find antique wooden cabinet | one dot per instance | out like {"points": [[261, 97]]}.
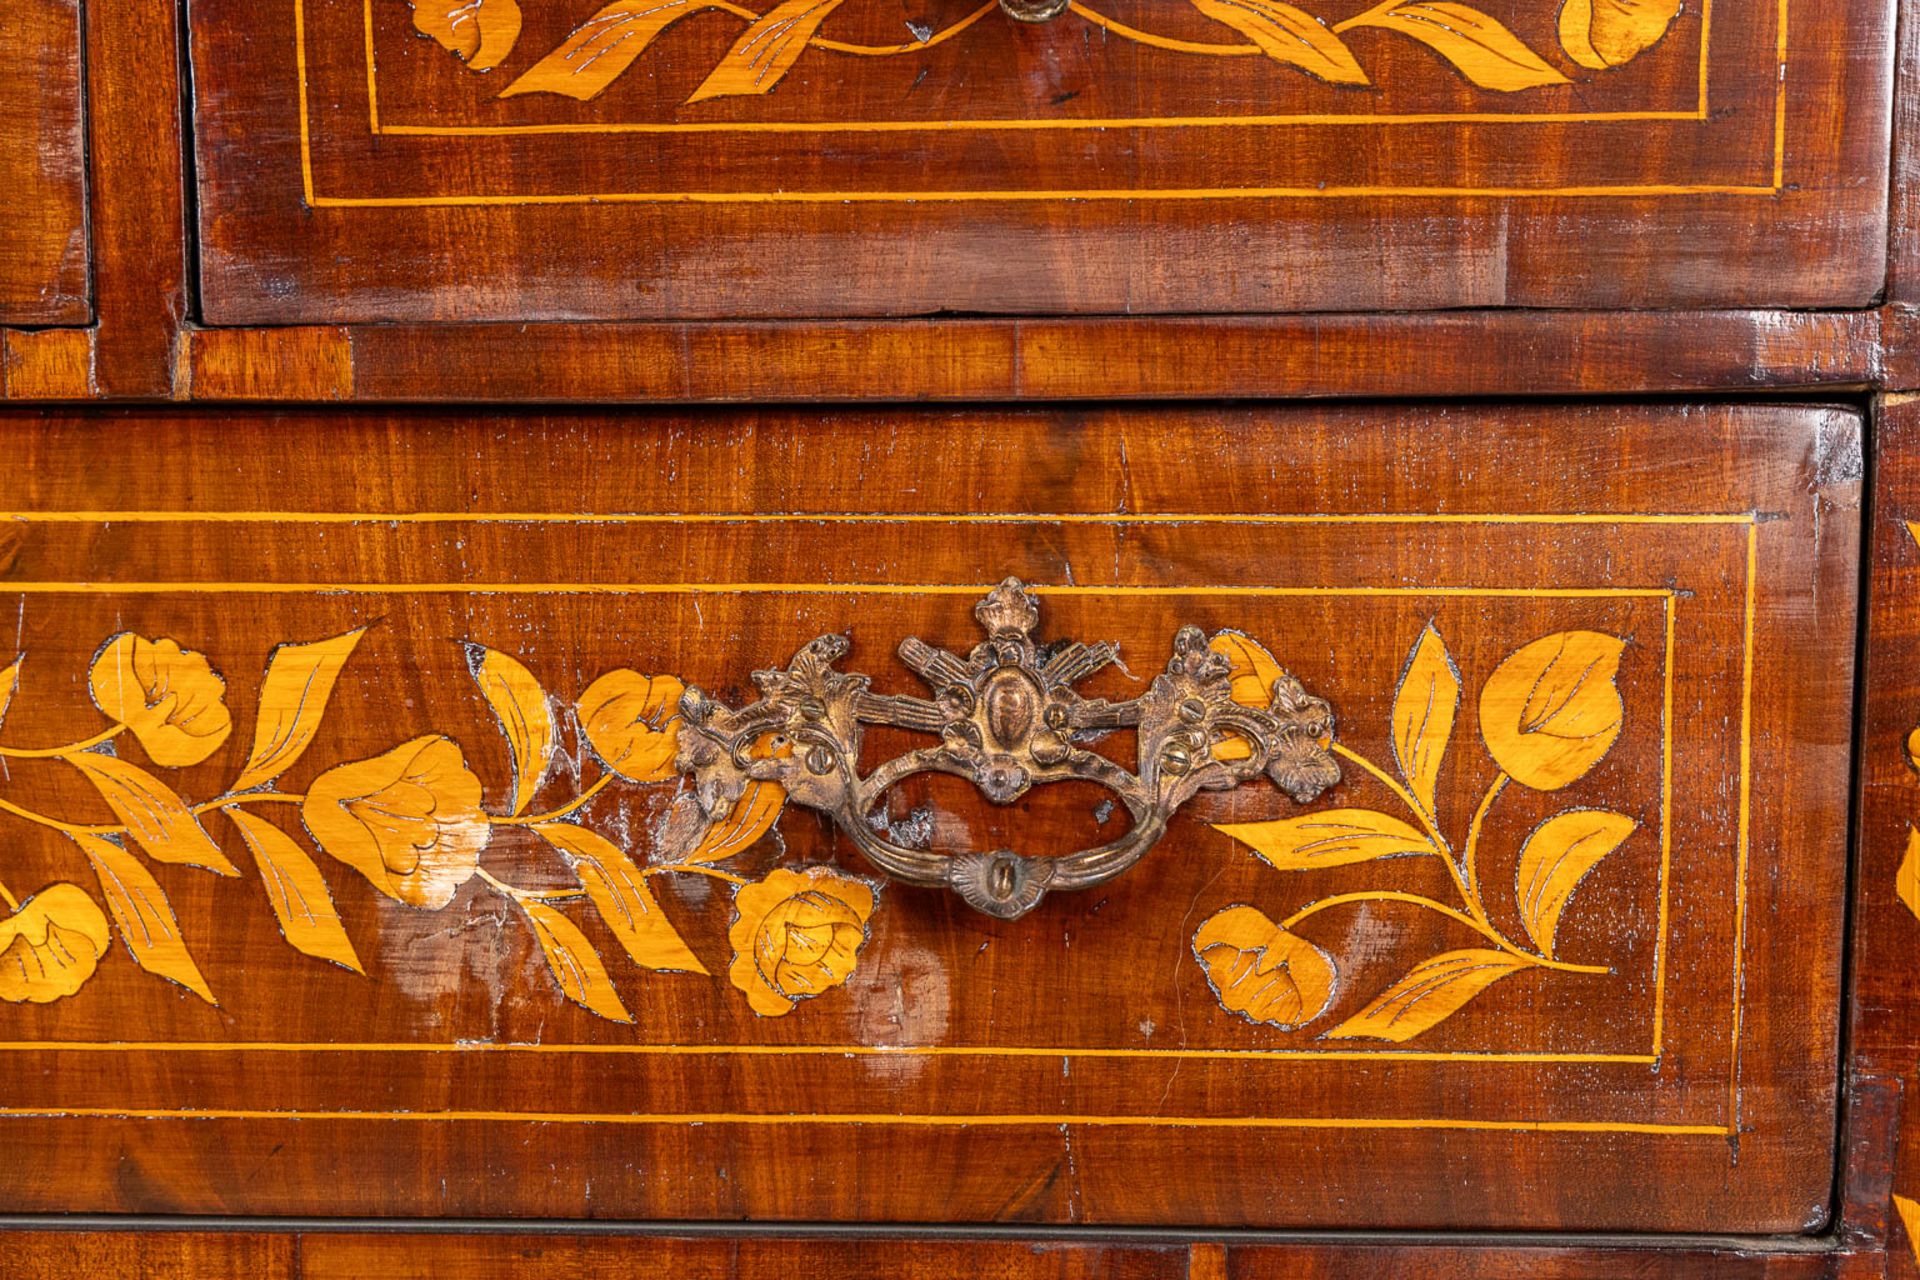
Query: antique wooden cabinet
{"points": [[1208, 638]]}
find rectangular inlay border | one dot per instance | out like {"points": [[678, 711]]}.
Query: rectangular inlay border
{"points": [[1770, 184], [1669, 596]]}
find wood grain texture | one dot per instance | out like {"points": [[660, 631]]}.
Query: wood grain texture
{"points": [[1486, 353], [429, 201], [43, 237], [1569, 1262], [1884, 1013], [149, 1255], [1009, 1071], [47, 364], [137, 162], [1903, 265], [491, 1255]]}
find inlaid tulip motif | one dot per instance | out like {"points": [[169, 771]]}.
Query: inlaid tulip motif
{"points": [[414, 821], [419, 824]]}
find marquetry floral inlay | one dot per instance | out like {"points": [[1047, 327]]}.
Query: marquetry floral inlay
{"points": [[1594, 35], [1548, 715], [416, 822]]}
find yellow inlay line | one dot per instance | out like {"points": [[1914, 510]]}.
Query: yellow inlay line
{"points": [[1702, 113], [1666, 837], [1699, 112], [914, 1121], [849, 517], [1292, 1056], [373, 90], [306, 131], [1668, 595], [1746, 812], [1004, 126], [799, 588], [1780, 107], [1062, 194]]}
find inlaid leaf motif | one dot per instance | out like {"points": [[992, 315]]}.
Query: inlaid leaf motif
{"points": [[751, 817], [575, 964], [520, 704], [1434, 991], [1906, 881], [767, 50], [1288, 35], [1555, 859], [620, 894], [599, 49], [1261, 971], [1481, 49], [481, 33], [170, 698], [293, 698], [1611, 33], [1333, 838], [9, 681], [51, 945], [633, 723], [295, 889], [1552, 711], [1423, 712], [1909, 1211], [143, 915], [157, 819], [1252, 669], [1913, 749]]}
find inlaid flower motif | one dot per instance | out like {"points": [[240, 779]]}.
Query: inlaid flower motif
{"points": [[1601, 34], [1261, 971], [169, 697], [796, 934], [409, 821], [51, 945], [633, 722]]}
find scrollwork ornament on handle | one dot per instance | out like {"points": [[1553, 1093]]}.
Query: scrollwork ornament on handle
{"points": [[1007, 718]]}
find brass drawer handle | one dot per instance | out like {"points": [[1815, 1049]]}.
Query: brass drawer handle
{"points": [[1034, 10], [1008, 720]]}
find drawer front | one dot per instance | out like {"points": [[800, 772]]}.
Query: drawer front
{"points": [[506, 160], [43, 237], [1199, 817]]}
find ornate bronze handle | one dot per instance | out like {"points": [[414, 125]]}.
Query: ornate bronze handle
{"points": [[1008, 719], [1033, 10]]}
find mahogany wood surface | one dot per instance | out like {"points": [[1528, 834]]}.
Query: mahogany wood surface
{"points": [[1804, 290], [402, 1255], [1483, 353], [43, 235], [351, 168], [1884, 1073], [137, 167], [1711, 754]]}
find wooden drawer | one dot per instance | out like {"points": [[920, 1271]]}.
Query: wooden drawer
{"points": [[43, 237], [1487, 772], [450, 160]]}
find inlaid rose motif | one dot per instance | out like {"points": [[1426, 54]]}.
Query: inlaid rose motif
{"points": [[169, 697], [796, 934], [51, 945], [409, 821]]}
